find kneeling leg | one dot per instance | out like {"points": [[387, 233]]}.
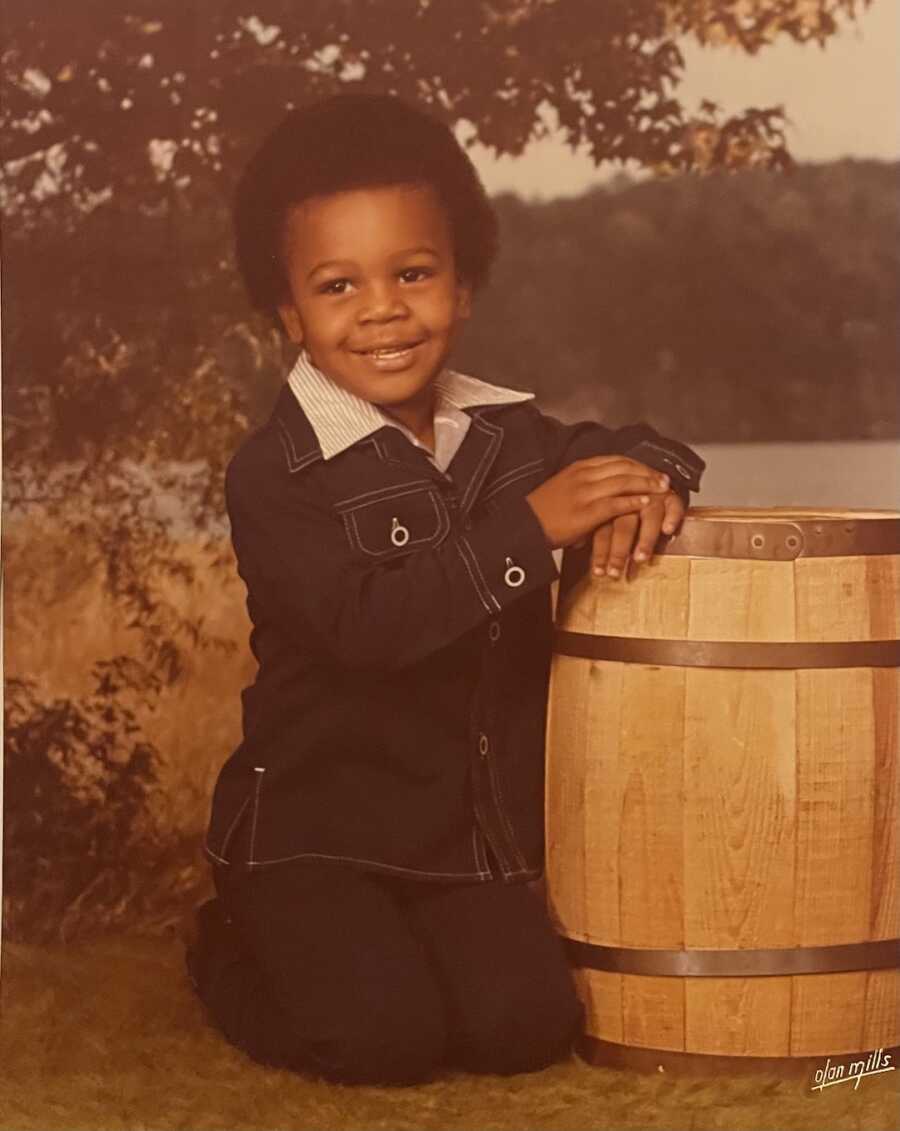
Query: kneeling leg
{"points": [[509, 996], [318, 971]]}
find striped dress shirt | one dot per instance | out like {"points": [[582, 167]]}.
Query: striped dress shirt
{"points": [[339, 418]]}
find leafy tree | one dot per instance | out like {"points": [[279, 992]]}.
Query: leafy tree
{"points": [[130, 98]]}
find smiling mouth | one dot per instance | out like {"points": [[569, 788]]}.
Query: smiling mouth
{"points": [[390, 352], [394, 358]]}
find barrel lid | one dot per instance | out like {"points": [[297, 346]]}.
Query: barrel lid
{"points": [[783, 533]]}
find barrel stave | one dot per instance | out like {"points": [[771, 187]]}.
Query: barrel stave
{"points": [[650, 807], [886, 813], [828, 1014], [740, 814], [738, 1016], [567, 845], [736, 601], [653, 1012], [835, 800], [881, 1022]]}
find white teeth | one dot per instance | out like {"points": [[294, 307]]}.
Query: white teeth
{"points": [[395, 352]]}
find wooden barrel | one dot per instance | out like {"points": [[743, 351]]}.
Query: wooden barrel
{"points": [[723, 792]]}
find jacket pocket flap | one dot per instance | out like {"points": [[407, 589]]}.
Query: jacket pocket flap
{"points": [[396, 523]]}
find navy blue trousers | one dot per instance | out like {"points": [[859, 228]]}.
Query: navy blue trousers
{"points": [[359, 977]]}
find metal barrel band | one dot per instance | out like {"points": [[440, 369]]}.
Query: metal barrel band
{"points": [[727, 654], [882, 954], [783, 538], [610, 1054]]}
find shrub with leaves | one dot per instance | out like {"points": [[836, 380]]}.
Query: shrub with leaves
{"points": [[83, 847]]}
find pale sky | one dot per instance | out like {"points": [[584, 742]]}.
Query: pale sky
{"points": [[841, 101]]}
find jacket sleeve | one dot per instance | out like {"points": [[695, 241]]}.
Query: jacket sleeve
{"points": [[566, 443], [303, 575]]}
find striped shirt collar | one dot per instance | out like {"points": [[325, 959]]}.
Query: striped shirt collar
{"points": [[340, 418]]}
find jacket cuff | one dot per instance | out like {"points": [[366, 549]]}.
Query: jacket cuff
{"points": [[508, 556], [683, 466]]}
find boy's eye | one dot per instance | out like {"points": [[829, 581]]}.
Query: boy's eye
{"points": [[334, 287], [415, 274]]}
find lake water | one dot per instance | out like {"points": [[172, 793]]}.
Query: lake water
{"points": [[862, 473], [829, 474], [856, 474]]}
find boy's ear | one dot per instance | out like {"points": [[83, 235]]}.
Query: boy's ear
{"points": [[290, 319], [463, 299]]}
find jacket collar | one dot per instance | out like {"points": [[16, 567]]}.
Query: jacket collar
{"points": [[339, 419]]}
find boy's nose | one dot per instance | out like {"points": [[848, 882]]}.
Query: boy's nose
{"points": [[382, 303]]}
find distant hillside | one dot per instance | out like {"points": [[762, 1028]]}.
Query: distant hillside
{"points": [[748, 307]]}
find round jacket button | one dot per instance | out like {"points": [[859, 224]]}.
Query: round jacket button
{"points": [[483, 745], [515, 575], [399, 533], [494, 631]]}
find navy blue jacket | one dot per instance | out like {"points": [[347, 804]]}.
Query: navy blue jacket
{"points": [[397, 718]]}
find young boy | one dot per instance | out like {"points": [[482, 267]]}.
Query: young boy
{"points": [[394, 523]]}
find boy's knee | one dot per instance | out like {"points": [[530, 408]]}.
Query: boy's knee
{"points": [[396, 1051], [400, 1049], [526, 1032]]}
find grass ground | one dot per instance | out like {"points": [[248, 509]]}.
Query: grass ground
{"points": [[107, 1036]]}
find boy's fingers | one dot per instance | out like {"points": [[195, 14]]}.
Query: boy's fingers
{"points": [[651, 519], [605, 467], [603, 510], [600, 548], [624, 469], [606, 487], [613, 465], [624, 529], [675, 510]]}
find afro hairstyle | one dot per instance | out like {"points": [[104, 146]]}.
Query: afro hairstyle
{"points": [[353, 141]]}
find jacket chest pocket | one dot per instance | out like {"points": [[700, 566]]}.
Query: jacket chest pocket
{"points": [[394, 521]]}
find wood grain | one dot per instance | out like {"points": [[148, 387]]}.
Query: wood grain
{"points": [[603, 804], [601, 993], [739, 765], [650, 851], [885, 916], [827, 1014], [883, 596], [881, 1016], [567, 741], [832, 600], [653, 1012], [653, 602], [738, 1016], [741, 600], [835, 806], [739, 809], [575, 611]]}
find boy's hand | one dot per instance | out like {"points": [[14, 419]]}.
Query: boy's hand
{"points": [[590, 493], [634, 535]]}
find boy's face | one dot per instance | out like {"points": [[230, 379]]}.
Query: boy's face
{"points": [[374, 295]]}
